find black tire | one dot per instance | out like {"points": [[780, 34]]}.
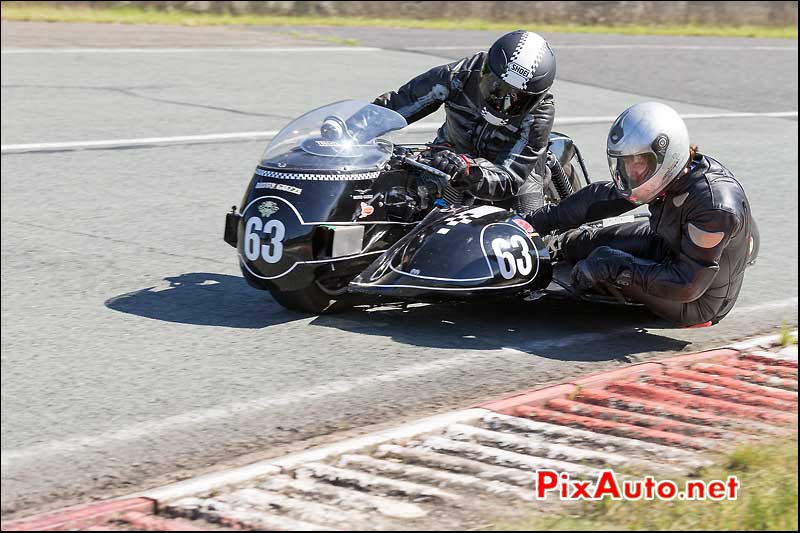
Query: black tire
{"points": [[313, 299]]}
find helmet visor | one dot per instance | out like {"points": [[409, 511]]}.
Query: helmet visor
{"points": [[632, 171], [502, 97]]}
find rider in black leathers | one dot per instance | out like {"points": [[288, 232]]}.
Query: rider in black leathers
{"points": [[687, 263], [499, 114]]}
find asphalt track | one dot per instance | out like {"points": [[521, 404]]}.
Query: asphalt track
{"points": [[132, 350]]}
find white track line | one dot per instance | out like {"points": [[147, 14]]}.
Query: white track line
{"points": [[686, 116], [622, 46], [291, 49], [202, 417], [205, 416], [142, 141], [180, 139], [423, 127], [256, 50]]}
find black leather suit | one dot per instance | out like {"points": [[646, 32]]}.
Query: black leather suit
{"points": [[511, 157], [689, 259]]}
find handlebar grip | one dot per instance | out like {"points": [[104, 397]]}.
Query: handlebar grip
{"points": [[427, 168]]}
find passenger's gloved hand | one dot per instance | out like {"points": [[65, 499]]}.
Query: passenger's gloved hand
{"points": [[539, 220], [604, 265], [458, 166], [556, 243]]}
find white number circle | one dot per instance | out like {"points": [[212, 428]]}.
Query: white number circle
{"points": [[270, 252], [508, 264]]}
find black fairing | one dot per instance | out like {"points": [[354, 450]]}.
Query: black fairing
{"points": [[311, 192], [465, 252], [303, 203]]}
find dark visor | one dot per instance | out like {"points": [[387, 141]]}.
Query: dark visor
{"points": [[502, 97]]}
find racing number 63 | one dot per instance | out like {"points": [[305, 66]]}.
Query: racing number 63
{"points": [[510, 265], [272, 252]]}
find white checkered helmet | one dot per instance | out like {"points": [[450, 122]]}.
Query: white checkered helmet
{"points": [[518, 72], [647, 148]]}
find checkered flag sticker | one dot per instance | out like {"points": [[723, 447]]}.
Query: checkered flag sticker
{"points": [[465, 217], [527, 56]]}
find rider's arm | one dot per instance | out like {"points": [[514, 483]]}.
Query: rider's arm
{"points": [[594, 202], [423, 95], [688, 275], [502, 179]]}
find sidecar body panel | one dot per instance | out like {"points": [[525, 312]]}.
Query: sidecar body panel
{"points": [[463, 252]]}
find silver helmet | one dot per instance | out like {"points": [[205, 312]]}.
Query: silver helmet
{"points": [[647, 148]]}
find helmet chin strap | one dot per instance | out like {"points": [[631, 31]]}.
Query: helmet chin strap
{"points": [[492, 119]]}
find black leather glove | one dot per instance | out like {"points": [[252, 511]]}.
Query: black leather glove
{"points": [[540, 219], [557, 242], [604, 265], [458, 166]]}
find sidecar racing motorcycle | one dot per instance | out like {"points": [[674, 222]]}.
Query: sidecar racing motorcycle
{"points": [[331, 214]]}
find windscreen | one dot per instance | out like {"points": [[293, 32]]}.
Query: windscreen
{"points": [[342, 136]]}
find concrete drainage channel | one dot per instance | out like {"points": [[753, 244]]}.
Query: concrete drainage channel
{"points": [[665, 419]]}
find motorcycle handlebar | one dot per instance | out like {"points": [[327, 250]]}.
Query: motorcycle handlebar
{"points": [[426, 168], [430, 185]]}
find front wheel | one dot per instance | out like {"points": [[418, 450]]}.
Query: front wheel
{"points": [[315, 299]]}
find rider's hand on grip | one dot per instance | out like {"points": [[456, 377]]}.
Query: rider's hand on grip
{"points": [[458, 166]]}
